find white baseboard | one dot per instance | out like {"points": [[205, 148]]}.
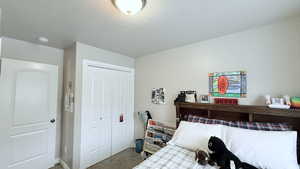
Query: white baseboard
{"points": [[64, 164]]}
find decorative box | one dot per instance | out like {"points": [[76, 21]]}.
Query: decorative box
{"points": [[226, 101], [295, 102]]}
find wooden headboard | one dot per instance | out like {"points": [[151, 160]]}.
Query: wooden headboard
{"points": [[249, 113]]}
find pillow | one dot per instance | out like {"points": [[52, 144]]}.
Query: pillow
{"points": [[242, 124], [263, 149], [194, 136]]}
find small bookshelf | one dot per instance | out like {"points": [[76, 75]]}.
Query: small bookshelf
{"points": [[157, 135]]}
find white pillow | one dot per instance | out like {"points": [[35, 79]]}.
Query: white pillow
{"points": [[193, 136], [263, 149]]}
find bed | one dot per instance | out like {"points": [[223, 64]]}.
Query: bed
{"points": [[172, 157], [176, 157]]}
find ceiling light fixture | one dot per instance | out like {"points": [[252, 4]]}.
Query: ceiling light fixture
{"points": [[129, 7], [43, 39]]}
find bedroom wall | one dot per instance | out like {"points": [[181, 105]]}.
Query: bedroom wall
{"points": [[22, 50], [84, 51], [270, 54], [68, 117], [74, 57]]}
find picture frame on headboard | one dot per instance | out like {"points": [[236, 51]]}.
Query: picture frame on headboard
{"points": [[204, 99]]}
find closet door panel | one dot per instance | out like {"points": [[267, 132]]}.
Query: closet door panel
{"points": [[118, 134], [126, 107], [90, 122], [96, 117], [129, 102], [106, 114], [122, 131]]}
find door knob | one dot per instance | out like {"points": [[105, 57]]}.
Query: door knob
{"points": [[52, 121]]}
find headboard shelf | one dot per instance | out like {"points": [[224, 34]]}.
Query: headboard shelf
{"points": [[250, 113], [251, 110]]}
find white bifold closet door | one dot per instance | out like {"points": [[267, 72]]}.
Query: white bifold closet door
{"points": [[122, 132], [107, 94]]}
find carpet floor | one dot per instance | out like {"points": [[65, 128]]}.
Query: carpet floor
{"points": [[126, 159]]}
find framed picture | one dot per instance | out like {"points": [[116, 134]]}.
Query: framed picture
{"points": [[228, 84], [190, 96], [204, 99], [279, 101], [158, 96]]}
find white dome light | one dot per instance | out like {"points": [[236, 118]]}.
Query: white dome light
{"points": [[43, 39], [129, 7]]}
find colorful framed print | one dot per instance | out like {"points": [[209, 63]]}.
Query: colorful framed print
{"points": [[228, 84]]}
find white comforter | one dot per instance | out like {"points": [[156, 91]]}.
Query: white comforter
{"points": [[172, 157]]}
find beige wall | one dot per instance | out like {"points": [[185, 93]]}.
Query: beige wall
{"points": [[74, 57], [91, 53], [68, 117], [270, 54], [21, 50]]}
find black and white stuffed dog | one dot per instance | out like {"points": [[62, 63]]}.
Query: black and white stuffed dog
{"points": [[223, 157]]}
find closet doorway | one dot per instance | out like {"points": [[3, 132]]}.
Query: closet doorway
{"points": [[107, 111]]}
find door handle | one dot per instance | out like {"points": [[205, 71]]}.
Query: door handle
{"points": [[52, 121], [101, 118]]}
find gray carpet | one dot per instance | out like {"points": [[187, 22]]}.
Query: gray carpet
{"points": [[126, 159]]}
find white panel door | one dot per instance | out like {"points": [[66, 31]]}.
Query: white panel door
{"points": [[96, 116], [123, 99], [28, 105]]}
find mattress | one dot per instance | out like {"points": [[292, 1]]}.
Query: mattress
{"points": [[172, 157]]}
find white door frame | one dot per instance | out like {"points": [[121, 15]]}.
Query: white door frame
{"points": [[78, 101]]}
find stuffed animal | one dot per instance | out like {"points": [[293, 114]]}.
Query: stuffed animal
{"points": [[223, 157], [201, 157]]}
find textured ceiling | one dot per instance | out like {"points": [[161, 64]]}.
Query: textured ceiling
{"points": [[163, 24]]}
